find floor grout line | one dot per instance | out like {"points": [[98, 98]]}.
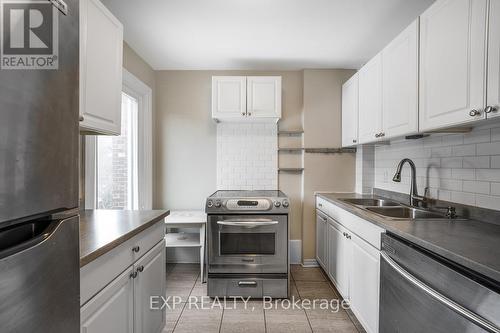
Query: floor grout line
{"points": [[184, 306]]}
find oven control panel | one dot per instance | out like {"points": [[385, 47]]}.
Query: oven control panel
{"points": [[257, 205]]}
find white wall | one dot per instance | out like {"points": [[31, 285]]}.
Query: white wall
{"points": [[462, 168]]}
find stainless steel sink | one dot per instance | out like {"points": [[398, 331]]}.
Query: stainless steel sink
{"points": [[405, 213], [371, 202]]}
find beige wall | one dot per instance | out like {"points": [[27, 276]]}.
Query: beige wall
{"points": [[322, 129], [186, 141], [186, 134]]}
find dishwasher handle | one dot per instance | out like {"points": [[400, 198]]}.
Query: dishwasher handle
{"points": [[452, 305]]}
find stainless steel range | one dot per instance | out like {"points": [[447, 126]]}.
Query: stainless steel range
{"points": [[248, 244]]}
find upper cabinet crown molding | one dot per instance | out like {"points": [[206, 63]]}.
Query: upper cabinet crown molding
{"points": [[452, 63], [242, 98], [101, 57], [350, 100]]}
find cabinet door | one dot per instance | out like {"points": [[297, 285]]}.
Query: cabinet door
{"points": [[493, 99], [339, 256], [350, 112], [101, 45], [150, 281], [364, 283], [112, 309], [264, 96], [452, 63], [400, 84], [370, 100], [229, 97], [320, 239]]}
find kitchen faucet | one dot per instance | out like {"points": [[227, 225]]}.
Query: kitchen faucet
{"points": [[414, 197]]}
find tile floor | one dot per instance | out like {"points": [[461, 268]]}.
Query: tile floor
{"points": [[183, 280]]}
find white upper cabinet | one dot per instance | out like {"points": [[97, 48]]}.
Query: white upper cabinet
{"points": [[101, 53], [400, 84], [452, 63], [242, 98], [350, 112], [370, 100], [264, 96], [493, 100], [229, 95]]}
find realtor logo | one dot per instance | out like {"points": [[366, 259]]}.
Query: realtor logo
{"points": [[29, 34]]}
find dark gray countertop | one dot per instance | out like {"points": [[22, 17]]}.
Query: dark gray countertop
{"points": [[470, 243], [103, 230]]}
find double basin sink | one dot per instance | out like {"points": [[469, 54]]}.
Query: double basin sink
{"points": [[393, 210]]}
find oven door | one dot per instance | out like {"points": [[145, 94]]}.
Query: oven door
{"points": [[247, 244]]}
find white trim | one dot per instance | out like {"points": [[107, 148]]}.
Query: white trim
{"points": [[144, 95], [310, 263], [295, 248]]}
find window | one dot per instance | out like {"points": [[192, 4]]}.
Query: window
{"points": [[118, 168]]}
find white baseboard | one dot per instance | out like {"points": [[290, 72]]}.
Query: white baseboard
{"points": [[310, 263], [295, 248]]}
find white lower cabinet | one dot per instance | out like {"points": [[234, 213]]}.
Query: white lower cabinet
{"points": [[339, 253], [123, 306], [352, 262], [149, 282], [364, 282], [112, 310], [321, 239]]}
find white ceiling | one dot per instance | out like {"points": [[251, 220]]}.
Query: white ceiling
{"points": [[262, 34]]}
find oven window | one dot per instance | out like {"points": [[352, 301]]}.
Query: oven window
{"points": [[247, 243]]}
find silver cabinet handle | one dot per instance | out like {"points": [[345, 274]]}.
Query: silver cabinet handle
{"points": [[140, 268], [247, 283], [136, 249], [490, 109], [474, 113], [377, 135], [243, 113], [382, 134], [480, 321], [320, 205], [249, 113], [81, 118], [133, 275], [354, 140]]}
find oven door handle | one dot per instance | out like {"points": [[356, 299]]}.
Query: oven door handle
{"points": [[248, 223], [480, 321]]}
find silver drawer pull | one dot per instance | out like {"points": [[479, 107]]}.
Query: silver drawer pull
{"points": [[482, 322], [247, 284], [247, 224], [248, 260]]}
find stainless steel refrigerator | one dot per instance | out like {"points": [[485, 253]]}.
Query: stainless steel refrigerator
{"points": [[39, 243]]}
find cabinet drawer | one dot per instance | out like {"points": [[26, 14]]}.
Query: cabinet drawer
{"points": [[322, 205], [253, 287], [98, 273]]}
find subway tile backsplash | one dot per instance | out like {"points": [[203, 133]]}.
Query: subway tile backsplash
{"points": [[462, 168], [247, 156]]}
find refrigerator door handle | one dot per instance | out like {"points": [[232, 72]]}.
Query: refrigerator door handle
{"points": [[45, 234], [485, 324]]}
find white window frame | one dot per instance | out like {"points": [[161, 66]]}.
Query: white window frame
{"points": [[136, 88]]}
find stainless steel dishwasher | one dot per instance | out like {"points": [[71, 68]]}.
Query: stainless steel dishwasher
{"points": [[422, 292]]}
